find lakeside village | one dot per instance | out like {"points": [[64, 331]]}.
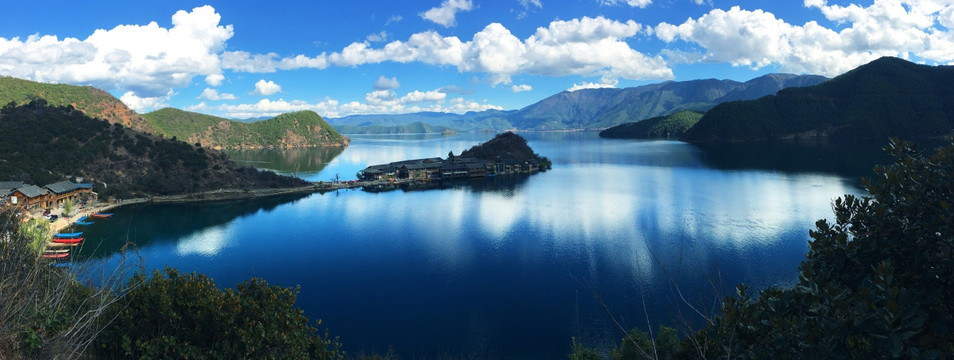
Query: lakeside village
{"points": [[64, 203]]}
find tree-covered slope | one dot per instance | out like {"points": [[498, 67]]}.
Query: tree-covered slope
{"points": [[92, 101], [43, 144], [887, 97], [669, 126], [291, 130]]}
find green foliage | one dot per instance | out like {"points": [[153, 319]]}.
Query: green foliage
{"points": [[297, 129], [876, 283], [171, 315], [579, 352], [669, 126], [36, 232], [887, 97], [93, 102], [44, 144]]}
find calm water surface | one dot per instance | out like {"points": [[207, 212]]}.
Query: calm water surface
{"points": [[512, 267]]}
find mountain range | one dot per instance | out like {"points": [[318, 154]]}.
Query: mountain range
{"points": [[886, 97], [592, 109]]}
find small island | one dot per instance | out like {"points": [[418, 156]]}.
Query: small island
{"points": [[507, 153]]}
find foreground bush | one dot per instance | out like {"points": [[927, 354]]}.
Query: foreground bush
{"points": [[878, 283], [174, 316]]}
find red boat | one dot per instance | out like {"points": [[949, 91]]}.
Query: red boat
{"points": [[56, 256], [68, 240], [101, 215]]}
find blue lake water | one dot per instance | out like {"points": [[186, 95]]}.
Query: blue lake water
{"points": [[625, 232]]}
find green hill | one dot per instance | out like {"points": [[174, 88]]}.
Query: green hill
{"points": [[91, 101], [42, 144], [669, 126], [887, 97], [291, 130]]}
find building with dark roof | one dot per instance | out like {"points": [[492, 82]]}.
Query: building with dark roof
{"points": [[30, 196], [67, 191]]}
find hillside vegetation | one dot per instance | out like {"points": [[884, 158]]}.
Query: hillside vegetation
{"points": [[291, 130], [671, 126], [93, 102], [42, 144], [887, 97]]}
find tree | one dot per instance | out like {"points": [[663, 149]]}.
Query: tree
{"points": [[173, 315]]}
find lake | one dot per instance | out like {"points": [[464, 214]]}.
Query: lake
{"points": [[619, 234]]}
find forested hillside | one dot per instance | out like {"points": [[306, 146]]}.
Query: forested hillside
{"points": [[94, 102], [291, 130], [42, 144], [412, 128], [671, 126], [887, 97]]}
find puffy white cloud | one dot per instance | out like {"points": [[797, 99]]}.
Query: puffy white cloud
{"points": [[632, 3], [383, 83], [266, 88], [425, 96], [446, 14], [214, 79], [757, 38], [521, 88], [145, 104], [146, 60], [592, 85], [587, 47], [212, 94], [266, 107]]}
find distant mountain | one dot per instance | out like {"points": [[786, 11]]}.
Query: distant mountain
{"points": [[120, 162], [603, 108], [412, 128], [291, 130], [598, 108], [91, 101], [886, 97], [490, 120], [671, 126]]}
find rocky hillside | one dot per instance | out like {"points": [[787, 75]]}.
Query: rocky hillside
{"points": [[93, 102], [291, 130], [42, 144], [887, 97]]}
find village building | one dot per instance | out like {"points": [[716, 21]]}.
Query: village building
{"points": [[30, 197], [64, 191]]}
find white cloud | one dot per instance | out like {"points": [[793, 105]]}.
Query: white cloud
{"points": [[146, 60], [587, 47], [592, 85], [393, 19], [633, 3], [757, 38], [445, 15], [214, 79], [266, 88], [383, 83], [521, 88], [212, 94], [526, 3], [266, 107], [145, 104], [378, 37], [425, 96]]}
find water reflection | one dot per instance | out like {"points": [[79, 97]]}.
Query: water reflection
{"points": [[297, 162], [509, 268]]}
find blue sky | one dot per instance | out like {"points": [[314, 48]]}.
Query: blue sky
{"points": [[244, 59]]}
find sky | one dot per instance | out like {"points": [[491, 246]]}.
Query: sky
{"points": [[245, 59]]}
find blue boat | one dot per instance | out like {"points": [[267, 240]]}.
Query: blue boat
{"points": [[83, 223], [68, 235], [81, 219]]}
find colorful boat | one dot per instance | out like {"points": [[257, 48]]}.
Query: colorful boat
{"points": [[68, 235], [83, 223], [56, 251], [56, 256], [68, 240], [102, 215], [82, 218]]}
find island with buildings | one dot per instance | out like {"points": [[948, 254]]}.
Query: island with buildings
{"points": [[507, 153]]}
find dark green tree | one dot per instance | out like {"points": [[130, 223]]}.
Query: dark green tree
{"points": [[172, 315]]}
